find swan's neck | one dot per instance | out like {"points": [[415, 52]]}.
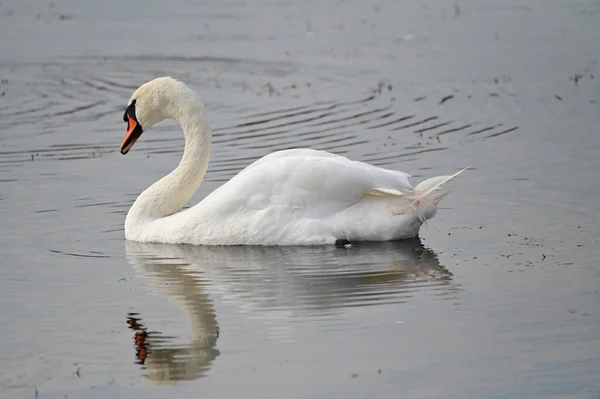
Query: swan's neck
{"points": [[168, 195]]}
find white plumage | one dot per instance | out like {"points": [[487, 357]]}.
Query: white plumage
{"points": [[291, 197]]}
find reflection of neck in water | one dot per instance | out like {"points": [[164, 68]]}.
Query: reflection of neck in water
{"points": [[164, 361], [280, 281]]}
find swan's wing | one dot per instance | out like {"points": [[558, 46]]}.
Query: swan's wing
{"points": [[307, 179], [294, 152]]}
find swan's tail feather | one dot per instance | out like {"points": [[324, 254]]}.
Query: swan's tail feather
{"points": [[430, 185], [429, 192]]}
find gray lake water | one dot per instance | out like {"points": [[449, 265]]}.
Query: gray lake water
{"points": [[499, 298]]}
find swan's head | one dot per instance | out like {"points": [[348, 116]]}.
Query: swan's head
{"points": [[158, 99]]}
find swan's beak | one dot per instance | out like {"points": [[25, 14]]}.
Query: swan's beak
{"points": [[134, 131]]}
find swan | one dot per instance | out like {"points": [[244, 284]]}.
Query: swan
{"points": [[290, 197]]}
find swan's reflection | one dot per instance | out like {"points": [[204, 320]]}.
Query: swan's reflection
{"points": [[165, 361], [281, 281]]}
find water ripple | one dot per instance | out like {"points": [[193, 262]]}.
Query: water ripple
{"points": [[52, 101]]}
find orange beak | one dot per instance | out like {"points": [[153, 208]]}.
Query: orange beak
{"points": [[134, 131]]}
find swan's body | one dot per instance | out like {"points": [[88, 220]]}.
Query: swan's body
{"points": [[291, 197]]}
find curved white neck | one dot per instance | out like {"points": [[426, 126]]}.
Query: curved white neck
{"points": [[168, 195]]}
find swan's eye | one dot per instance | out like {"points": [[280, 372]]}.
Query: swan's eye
{"points": [[130, 111]]}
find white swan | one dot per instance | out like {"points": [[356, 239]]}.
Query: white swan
{"points": [[291, 197]]}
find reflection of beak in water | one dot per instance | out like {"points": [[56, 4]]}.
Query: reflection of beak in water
{"points": [[141, 349], [274, 282], [166, 361]]}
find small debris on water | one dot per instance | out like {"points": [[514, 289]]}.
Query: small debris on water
{"points": [[576, 78], [444, 99]]}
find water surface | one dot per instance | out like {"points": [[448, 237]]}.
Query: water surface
{"points": [[498, 298]]}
